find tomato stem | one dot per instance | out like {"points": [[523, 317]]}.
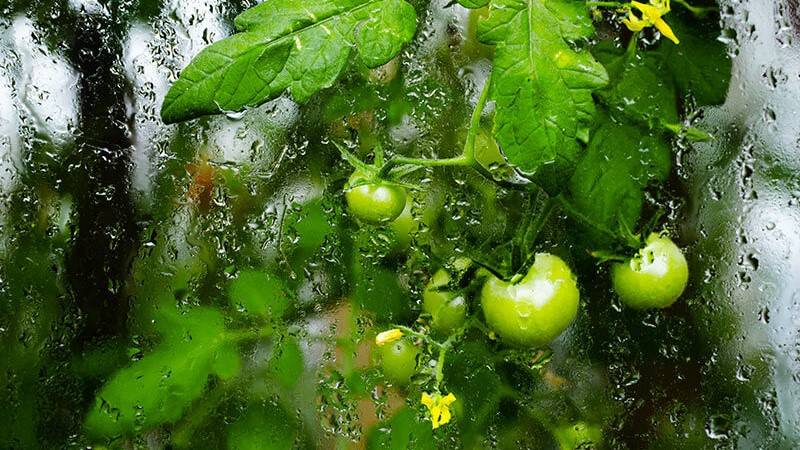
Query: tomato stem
{"points": [[531, 234], [440, 366], [699, 11], [242, 335], [475, 123], [352, 159], [421, 162], [417, 334], [467, 157]]}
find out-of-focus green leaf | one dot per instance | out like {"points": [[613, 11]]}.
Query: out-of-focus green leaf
{"points": [[377, 289], [287, 361], [260, 293], [308, 229], [473, 4], [263, 427], [578, 435], [159, 387], [403, 431], [226, 363]]}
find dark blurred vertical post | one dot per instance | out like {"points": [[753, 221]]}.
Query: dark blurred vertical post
{"points": [[106, 232]]}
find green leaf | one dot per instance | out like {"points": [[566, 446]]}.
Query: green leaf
{"points": [[642, 89], [259, 292], [159, 387], [289, 45], [472, 377], [578, 435], [473, 4], [608, 185], [542, 84], [378, 290], [307, 229], [263, 427], [403, 431], [226, 363], [700, 65], [287, 361]]}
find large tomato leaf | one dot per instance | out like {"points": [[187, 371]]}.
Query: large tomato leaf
{"points": [[288, 45], [542, 84]]}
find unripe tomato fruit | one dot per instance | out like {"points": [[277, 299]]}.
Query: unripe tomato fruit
{"points": [[654, 278], [399, 361], [404, 226], [535, 310], [374, 202], [448, 309]]}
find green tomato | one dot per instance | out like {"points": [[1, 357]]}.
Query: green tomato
{"points": [[654, 278], [399, 361], [535, 310], [404, 226], [448, 309], [374, 202]]}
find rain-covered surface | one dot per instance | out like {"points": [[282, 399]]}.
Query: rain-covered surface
{"points": [[112, 221]]}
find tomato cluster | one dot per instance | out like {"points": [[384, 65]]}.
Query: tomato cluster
{"points": [[526, 311]]}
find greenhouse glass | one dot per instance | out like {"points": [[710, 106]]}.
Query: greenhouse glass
{"points": [[399, 224]]}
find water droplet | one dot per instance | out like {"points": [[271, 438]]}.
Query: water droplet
{"points": [[719, 427]]}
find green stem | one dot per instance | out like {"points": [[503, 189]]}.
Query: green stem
{"points": [[605, 257], [243, 335], [534, 230], [379, 154], [421, 162], [440, 366], [467, 157], [351, 158], [475, 122], [417, 334], [447, 345], [698, 11]]}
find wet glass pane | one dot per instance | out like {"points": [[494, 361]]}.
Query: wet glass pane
{"points": [[400, 224]]}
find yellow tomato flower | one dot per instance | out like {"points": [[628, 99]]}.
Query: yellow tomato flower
{"points": [[651, 16], [388, 336], [439, 407]]}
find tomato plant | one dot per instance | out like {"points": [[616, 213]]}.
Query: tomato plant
{"points": [[372, 227]]}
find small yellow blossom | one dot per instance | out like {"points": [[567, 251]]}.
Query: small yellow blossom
{"points": [[651, 16], [439, 407], [388, 336]]}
